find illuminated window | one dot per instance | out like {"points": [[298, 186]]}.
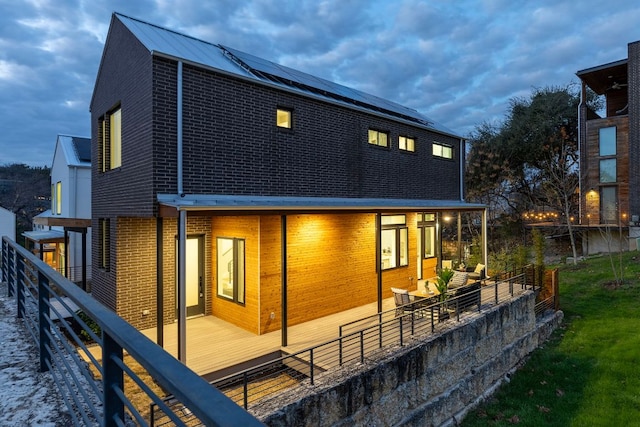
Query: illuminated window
{"points": [[427, 236], [111, 140], [406, 143], [230, 267], [59, 198], [442, 150], [378, 138], [283, 118], [394, 242]]}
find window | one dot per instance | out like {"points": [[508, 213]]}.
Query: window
{"points": [[394, 242], [406, 143], [378, 138], [283, 118], [442, 150], [53, 198], [608, 205], [608, 141], [427, 229], [103, 243], [230, 267], [608, 170], [58, 198], [111, 140]]}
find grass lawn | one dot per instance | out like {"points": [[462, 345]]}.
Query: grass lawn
{"points": [[588, 373]]}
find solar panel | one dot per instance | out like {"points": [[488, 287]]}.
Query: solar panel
{"points": [[262, 66], [83, 148]]}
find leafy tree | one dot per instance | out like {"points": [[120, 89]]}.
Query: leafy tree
{"points": [[25, 191], [531, 159]]}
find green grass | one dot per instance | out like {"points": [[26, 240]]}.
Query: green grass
{"points": [[588, 373]]}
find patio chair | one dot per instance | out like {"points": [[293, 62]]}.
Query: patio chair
{"points": [[403, 302], [478, 273]]}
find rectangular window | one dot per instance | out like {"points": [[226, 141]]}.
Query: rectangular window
{"points": [[378, 138], [110, 140], [283, 118], [58, 198], [427, 229], [231, 269], [608, 141], [103, 243], [394, 242], [608, 170], [608, 205], [442, 150], [115, 140], [406, 143], [53, 198]]}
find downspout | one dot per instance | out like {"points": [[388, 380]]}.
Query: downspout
{"points": [[463, 149], [182, 243], [580, 153]]}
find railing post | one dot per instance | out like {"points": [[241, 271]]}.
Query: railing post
{"points": [[361, 346], [113, 379], [311, 365], [380, 330], [495, 287], [245, 385], [20, 278], [10, 266], [3, 261], [400, 319], [44, 329], [340, 349]]}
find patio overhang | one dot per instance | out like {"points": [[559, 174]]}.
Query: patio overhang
{"points": [[75, 223], [171, 204], [44, 236]]}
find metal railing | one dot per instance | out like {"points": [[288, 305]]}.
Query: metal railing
{"points": [[360, 339], [107, 372]]}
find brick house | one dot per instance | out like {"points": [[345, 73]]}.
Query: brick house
{"points": [[610, 153], [228, 185]]}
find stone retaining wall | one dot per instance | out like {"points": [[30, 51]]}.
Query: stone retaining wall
{"points": [[434, 380]]}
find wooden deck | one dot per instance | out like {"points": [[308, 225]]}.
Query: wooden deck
{"points": [[213, 345]]}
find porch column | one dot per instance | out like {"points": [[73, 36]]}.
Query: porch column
{"points": [[159, 283], [283, 267], [66, 253], [182, 289], [459, 237], [379, 258], [485, 256]]}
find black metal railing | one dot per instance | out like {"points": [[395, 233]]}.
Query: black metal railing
{"points": [[359, 339], [107, 372]]}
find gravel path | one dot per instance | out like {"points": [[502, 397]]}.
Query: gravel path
{"points": [[27, 397]]}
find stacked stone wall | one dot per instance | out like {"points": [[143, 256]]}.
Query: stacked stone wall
{"points": [[432, 381]]}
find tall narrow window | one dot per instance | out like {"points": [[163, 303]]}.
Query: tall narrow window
{"points": [[608, 170], [427, 228], [407, 144], [231, 269], [103, 243], [608, 205], [53, 198], [608, 141], [58, 198], [115, 139], [394, 242], [110, 140], [442, 150], [283, 118], [378, 138]]}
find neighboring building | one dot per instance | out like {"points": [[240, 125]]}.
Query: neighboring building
{"points": [[268, 196], [610, 155], [61, 235], [7, 223]]}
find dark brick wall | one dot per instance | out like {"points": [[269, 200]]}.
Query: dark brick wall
{"points": [[634, 127], [232, 146]]}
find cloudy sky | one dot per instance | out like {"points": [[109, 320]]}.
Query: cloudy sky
{"points": [[457, 62]]}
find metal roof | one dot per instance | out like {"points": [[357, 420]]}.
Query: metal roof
{"points": [[43, 236], [76, 150], [164, 42], [222, 202]]}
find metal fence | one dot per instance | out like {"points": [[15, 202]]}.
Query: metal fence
{"points": [[359, 339], [107, 372]]}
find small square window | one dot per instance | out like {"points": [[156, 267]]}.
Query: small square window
{"points": [[407, 144], [283, 118], [378, 138]]}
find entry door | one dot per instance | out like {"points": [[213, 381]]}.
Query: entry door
{"points": [[194, 275]]}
